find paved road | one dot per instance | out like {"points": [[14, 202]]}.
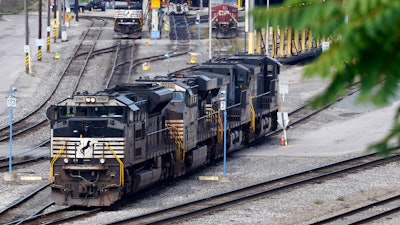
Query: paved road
{"points": [[12, 55]]}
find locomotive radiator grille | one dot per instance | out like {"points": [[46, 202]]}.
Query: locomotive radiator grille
{"points": [[176, 134], [178, 125], [88, 147]]}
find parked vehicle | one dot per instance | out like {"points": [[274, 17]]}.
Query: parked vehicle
{"points": [[82, 6], [98, 4]]}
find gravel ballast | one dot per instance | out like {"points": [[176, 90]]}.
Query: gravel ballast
{"points": [[267, 161]]}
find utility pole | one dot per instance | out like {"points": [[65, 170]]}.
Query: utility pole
{"points": [[249, 27], [26, 47], [63, 25], [40, 41], [48, 29], [56, 20], [209, 30], [59, 19], [267, 34]]}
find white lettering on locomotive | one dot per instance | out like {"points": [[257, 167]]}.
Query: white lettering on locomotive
{"points": [[224, 13]]}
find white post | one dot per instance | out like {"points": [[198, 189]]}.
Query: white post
{"points": [[209, 30]]}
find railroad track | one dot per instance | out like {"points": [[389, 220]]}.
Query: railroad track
{"points": [[270, 187], [122, 63], [66, 85], [374, 212], [23, 207], [4, 163], [56, 216], [223, 201], [179, 29]]}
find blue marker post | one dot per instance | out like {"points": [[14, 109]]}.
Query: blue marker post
{"points": [[11, 102], [222, 100], [224, 142]]}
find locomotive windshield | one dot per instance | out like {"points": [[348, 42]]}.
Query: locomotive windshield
{"points": [[91, 112], [177, 96], [128, 5], [229, 2]]}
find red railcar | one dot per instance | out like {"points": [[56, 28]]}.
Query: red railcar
{"points": [[224, 17]]}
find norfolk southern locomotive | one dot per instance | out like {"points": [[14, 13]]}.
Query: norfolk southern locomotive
{"points": [[124, 139], [128, 18]]}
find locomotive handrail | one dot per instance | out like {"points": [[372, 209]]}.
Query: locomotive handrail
{"points": [[253, 115], [121, 166], [260, 95], [207, 115], [51, 178], [157, 131], [233, 106]]}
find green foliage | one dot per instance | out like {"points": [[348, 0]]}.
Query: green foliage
{"points": [[340, 198], [18, 6], [318, 202], [365, 47], [373, 199]]}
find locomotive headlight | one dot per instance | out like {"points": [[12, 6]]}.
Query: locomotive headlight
{"points": [[102, 160], [90, 100], [66, 160]]}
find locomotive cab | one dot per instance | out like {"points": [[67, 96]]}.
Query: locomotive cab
{"points": [[87, 149]]}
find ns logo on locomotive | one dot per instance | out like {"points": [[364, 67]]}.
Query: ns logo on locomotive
{"points": [[116, 142]]}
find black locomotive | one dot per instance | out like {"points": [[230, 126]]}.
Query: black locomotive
{"points": [[124, 139], [128, 18]]}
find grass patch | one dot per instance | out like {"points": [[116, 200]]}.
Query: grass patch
{"points": [[318, 202], [340, 198]]}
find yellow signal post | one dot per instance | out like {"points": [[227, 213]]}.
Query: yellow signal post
{"points": [[55, 26]]}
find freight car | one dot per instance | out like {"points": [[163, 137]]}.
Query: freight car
{"points": [[128, 18], [224, 18], [126, 138]]}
